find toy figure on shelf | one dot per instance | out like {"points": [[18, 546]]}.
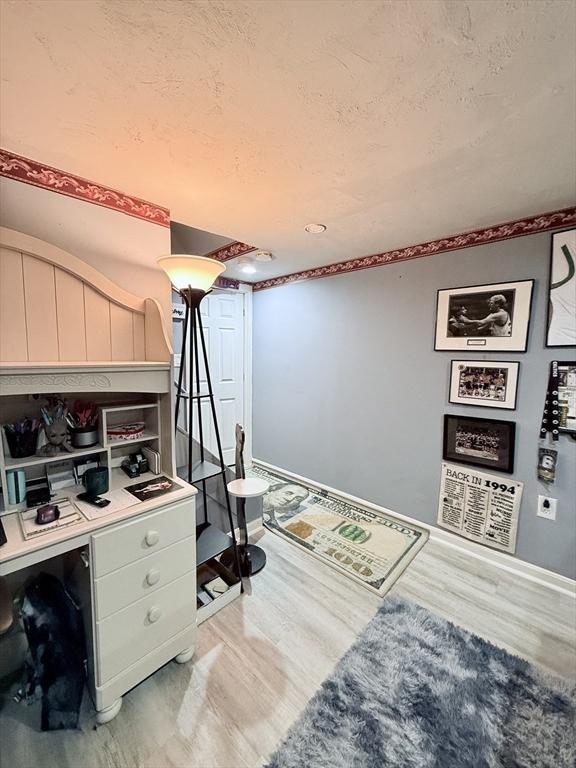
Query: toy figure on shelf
{"points": [[55, 428]]}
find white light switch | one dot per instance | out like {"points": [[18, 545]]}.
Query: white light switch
{"points": [[547, 507]]}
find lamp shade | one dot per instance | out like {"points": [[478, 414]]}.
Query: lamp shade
{"points": [[197, 272]]}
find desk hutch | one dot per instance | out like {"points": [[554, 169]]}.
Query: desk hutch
{"points": [[66, 329]]}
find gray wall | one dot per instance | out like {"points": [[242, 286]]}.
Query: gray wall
{"points": [[349, 392]]}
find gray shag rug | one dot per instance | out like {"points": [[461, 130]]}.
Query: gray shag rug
{"points": [[415, 691]]}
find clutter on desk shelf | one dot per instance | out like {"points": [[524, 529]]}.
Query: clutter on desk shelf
{"points": [[60, 475], [83, 464], [55, 424], [37, 492], [16, 485], [83, 423], [68, 514], [153, 458], [135, 465], [22, 437], [57, 651], [131, 431]]}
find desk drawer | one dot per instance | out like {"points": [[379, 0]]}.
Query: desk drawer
{"points": [[126, 585], [127, 636], [127, 542]]}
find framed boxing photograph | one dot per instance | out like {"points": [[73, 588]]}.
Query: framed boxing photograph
{"points": [[491, 318], [491, 384], [479, 442]]}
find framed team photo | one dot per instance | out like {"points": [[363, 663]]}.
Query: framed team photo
{"points": [[491, 317], [561, 328], [479, 442], [491, 384]]}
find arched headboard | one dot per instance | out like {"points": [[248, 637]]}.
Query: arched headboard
{"points": [[56, 308]]}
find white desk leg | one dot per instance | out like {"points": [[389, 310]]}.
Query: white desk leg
{"points": [[184, 655], [105, 715]]}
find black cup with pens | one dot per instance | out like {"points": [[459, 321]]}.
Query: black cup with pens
{"points": [[22, 437]]}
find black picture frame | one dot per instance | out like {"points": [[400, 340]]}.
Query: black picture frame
{"points": [[566, 391], [445, 340], [497, 455], [490, 398], [572, 279]]}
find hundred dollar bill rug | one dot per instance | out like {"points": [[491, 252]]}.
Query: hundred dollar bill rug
{"points": [[415, 691], [368, 546]]}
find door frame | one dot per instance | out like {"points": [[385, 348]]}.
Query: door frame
{"points": [[246, 291]]}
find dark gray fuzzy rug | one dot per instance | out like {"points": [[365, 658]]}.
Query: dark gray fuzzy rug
{"points": [[415, 691]]}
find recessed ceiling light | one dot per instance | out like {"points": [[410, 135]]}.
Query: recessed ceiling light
{"points": [[315, 229], [246, 264]]}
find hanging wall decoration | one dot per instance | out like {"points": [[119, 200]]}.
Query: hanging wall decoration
{"points": [[491, 384], [561, 330], [547, 459], [479, 442], [481, 507], [491, 317], [560, 404]]}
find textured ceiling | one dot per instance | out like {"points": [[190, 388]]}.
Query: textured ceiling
{"points": [[390, 122]]}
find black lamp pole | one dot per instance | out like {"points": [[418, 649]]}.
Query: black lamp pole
{"points": [[192, 298]]}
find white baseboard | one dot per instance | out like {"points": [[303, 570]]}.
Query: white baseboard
{"points": [[509, 563]]}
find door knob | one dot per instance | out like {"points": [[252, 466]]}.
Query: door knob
{"points": [[154, 614], [152, 537], [153, 576]]}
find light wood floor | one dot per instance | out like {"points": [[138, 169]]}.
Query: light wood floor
{"points": [[261, 659]]}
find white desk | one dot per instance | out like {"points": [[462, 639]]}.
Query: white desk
{"points": [[138, 589], [138, 595]]}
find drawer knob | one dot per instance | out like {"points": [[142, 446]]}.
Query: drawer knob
{"points": [[154, 614], [152, 537], [153, 576]]}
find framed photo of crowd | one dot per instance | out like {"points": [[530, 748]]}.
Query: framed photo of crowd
{"points": [[479, 442], [490, 318], [491, 384]]}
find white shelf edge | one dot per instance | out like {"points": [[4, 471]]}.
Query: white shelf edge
{"points": [[116, 408], [34, 461], [121, 443]]}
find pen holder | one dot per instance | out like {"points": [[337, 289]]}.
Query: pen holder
{"points": [[21, 444], [83, 437]]}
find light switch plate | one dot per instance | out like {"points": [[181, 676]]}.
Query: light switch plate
{"points": [[548, 511]]}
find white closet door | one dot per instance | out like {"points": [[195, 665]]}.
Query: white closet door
{"points": [[223, 323]]}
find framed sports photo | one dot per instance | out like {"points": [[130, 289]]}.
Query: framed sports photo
{"points": [[561, 328], [492, 318], [479, 442], [491, 384]]}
